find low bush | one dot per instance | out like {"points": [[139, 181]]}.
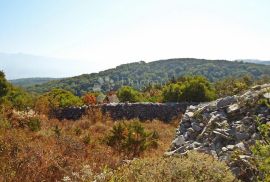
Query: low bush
{"points": [[131, 139], [34, 124], [261, 151], [193, 167], [128, 94], [190, 89]]}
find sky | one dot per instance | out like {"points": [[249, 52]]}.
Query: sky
{"points": [[101, 34]]}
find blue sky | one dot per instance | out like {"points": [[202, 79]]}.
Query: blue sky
{"points": [[101, 34]]}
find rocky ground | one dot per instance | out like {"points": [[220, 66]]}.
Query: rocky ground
{"points": [[225, 128]]}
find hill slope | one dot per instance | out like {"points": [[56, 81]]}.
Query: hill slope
{"points": [[139, 74], [26, 82]]}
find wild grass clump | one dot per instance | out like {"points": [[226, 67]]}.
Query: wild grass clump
{"points": [[194, 167]]}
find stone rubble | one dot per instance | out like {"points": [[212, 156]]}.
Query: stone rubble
{"points": [[223, 127]]}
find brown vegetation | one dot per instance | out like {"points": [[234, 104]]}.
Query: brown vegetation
{"points": [[36, 149]]}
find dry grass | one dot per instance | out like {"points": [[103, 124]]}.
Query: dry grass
{"points": [[61, 148]]}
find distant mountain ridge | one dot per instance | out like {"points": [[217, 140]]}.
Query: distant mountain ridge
{"points": [[256, 61], [27, 82], [141, 74], [31, 66]]}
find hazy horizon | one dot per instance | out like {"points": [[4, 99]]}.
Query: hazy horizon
{"points": [[90, 36]]}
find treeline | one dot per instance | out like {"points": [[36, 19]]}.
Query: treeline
{"points": [[140, 74], [190, 89], [182, 89]]}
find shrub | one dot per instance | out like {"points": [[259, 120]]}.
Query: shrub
{"points": [[78, 131], [4, 123], [3, 85], [232, 85], [86, 139], [194, 167], [131, 139], [19, 99], [34, 124], [153, 93], [261, 150], [264, 102], [57, 130], [128, 94], [89, 99], [190, 89], [198, 90], [172, 92], [57, 98]]}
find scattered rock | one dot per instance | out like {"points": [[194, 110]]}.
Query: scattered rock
{"points": [[232, 108], [223, 126], [196, 127], [226, 101], [180, 140]]}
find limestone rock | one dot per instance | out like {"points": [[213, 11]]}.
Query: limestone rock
{"points": [[226, 101], [180, 140], [223, 126]]}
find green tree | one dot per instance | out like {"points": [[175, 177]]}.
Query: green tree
{"points": [[190, 89], [57, 98], [232, 85], [3, 84], [152, 93], [128, 94], [197, 90], [19, 99], [172, 92]]}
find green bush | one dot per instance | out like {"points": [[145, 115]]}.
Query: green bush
{"points": [[172, 92], [128, 94], [57, 98], [34, 124], [190, 89], [264, 102], [19, 99], [261, 151], [4, 123], [3, 85], [131, 139], [194, 167], [232, 85]]}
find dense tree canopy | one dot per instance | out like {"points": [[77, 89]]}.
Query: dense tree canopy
{"points": [[140, 74]]}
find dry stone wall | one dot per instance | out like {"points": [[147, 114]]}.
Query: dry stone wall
{"points": [[143, 111]]}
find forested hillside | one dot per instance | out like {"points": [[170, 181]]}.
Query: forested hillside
{"points": [[141, 74], [26, 82]]}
